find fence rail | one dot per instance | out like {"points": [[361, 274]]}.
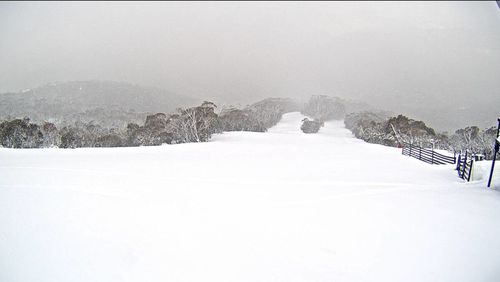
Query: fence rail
{"points": [[427, 155]]}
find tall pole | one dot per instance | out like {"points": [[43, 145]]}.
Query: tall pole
{"points": [[497, 145]]}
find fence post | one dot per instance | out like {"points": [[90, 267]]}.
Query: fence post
{"points": [[432, 156], [420, 153], [493, 162], [497, 147], [410, 149], [465, 164], [470, 169], [458, 165]]}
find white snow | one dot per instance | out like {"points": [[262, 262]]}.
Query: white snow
{"points": [[275, 206], [481, 171]]}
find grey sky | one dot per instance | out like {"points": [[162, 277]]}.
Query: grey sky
{"points": [[244, 51]]}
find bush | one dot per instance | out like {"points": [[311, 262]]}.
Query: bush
{"points": [[109, 140], [20, 133], [394, 131], [239, 120], [311, 126], [268, 112]]}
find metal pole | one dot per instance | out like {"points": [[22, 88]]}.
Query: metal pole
{"points": [[494, 154]]}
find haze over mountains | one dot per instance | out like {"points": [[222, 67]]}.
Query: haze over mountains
{"points": [[108, 103], [114, 104]]}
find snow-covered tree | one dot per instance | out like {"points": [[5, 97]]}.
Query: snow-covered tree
{"points": [[20, 133], [196, 124]]}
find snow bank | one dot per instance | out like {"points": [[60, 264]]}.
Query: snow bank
{"points": [[481, 172], [275, 206]]}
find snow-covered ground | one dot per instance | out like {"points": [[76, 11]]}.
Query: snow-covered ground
{"points": [[275, 206], [481, 171]]}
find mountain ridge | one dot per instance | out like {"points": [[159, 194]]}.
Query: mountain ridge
{"points": [[70, 101]]}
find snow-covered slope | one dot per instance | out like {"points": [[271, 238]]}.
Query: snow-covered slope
{"points": [[275, 206]]}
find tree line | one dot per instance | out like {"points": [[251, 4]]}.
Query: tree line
{"points": [[399, 130], [198, 124], [195, 124]]}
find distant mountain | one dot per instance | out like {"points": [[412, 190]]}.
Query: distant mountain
{"points": [[107, 102]]}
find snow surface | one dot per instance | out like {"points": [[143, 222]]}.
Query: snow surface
{"points": [[481, 171], [275, 206]]}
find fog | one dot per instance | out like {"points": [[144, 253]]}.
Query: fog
{"points": [[402, 56]]}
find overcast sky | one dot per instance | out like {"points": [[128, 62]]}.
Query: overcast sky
{"points": [[248, 50]]}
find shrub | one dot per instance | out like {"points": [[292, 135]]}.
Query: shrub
{"points": [[311, 126]]}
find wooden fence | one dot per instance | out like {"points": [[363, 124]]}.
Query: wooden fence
{"points": [[464, 166], [427, 155]]}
